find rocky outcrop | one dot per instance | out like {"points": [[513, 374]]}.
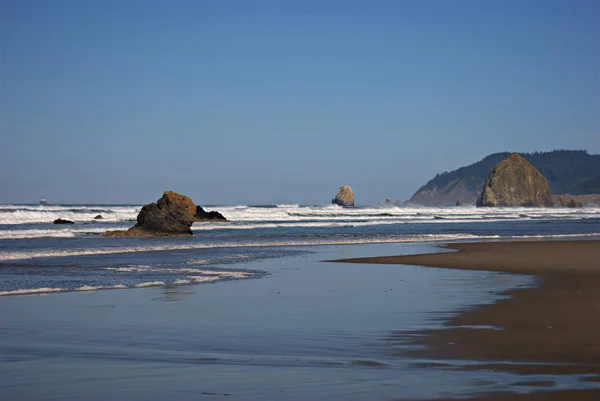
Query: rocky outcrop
{"points": [[172, 214], [99, 217], [515, 182], [213, 215], [61, 221], [344, 197], [459, 203], [572, 202], [389, 202], [588, 200]]}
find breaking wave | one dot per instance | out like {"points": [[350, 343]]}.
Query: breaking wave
{"points": [[38, 214], [19, 255], [32, 221]]}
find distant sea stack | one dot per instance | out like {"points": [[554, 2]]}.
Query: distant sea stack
{"points": [[344, 197], [172, 214], [515, 182]]}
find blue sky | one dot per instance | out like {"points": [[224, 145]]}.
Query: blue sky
{"points": [[283, 101]]}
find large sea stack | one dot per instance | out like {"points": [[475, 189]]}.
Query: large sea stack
{"points": [[344, 197], [515, 182], [173, 214]]}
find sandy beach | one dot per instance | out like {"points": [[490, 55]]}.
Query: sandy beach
{"points": [[552, 328]]}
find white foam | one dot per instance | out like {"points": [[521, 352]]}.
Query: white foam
{"points": [[30, 214], [100, 287], [140, 268], [150, 284], [43, 290], [89, 288], [19, 234], [224, 273], [181, 281], [198, 262], [17, 255], [203, 279], [282, 216]]}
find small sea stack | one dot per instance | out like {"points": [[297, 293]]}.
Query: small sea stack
{"points": [[344, 197]]}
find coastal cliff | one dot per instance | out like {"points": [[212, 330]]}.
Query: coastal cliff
{"points": [[572, 172]]}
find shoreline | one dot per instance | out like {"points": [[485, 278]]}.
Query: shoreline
{"points": [[551, 328]]}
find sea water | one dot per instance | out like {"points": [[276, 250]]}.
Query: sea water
{"points": [[248, 309], [38, 256]]}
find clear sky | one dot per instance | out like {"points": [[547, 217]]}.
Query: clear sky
{"points": [[256, 101]]}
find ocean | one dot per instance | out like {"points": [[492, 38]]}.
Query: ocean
{"points": [[246, 309], [37, 256]]}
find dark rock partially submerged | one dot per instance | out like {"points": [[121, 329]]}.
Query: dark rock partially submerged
{"points": [[61, 221], [213, 215], [99, 217], [173, 214], [515, 182]]}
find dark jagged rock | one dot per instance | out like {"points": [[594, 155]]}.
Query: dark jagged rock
{"points": [[61, 221], [572, 203], [515, 182], [389, 202], [213, 215], [344, 197], [459, 203], [99, 217], [173, 214]]}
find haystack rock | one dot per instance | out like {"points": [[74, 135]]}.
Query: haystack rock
{"points": [[213, 215], [515, 182], [173, 214], [344, 197]]}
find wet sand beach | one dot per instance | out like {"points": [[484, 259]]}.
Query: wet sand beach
{"points": [[552, 328]]}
